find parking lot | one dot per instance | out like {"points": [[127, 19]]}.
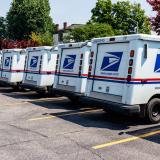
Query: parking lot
{"points": [[34, 127]]}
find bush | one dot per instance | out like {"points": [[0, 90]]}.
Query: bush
{"points": [[42, 39]]}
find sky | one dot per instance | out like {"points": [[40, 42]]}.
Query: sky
{"points": [[72, 11]]}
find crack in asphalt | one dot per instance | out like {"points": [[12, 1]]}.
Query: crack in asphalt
{"points": [[84, 147], [28, 130], [16, 143]]}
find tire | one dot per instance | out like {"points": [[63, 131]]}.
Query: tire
{"points": [[153, 111], [16, 87], [42, 92], [74, 99], [50, 91]]}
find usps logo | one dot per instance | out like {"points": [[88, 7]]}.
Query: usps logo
{"points": [[69, 62], [7, 61], [34, 62], [157, 65], [111, 61]]}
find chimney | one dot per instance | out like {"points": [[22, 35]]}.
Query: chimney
{"points": [[65, 25], [57, 27]]}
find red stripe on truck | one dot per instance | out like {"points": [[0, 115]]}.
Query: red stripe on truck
{"points": [[124, 79]]}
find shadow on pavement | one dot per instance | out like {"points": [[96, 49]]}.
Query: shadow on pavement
{"points": [[97, 119]]}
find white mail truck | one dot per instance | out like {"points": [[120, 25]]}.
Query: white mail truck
{"points": [[12, 70], [72, 69], [40, 68], [125, 74]]}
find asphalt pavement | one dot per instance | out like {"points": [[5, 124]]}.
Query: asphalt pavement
{"points": [[40, 127]]}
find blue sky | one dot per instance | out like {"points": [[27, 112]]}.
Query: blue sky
{"points": [[71, 11]]}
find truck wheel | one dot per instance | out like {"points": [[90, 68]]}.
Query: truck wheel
{"points": [[50, 91], [153, 110], [74, 99], [41, 92], [16, 87]]}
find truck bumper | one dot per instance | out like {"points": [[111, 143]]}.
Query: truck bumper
{"points": [[33, 87], [7, 83], [113, 106], [67, 93]]}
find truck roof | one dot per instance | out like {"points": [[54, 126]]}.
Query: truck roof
{"points": [[30, 49], [124, 38], [73, 45], [13, 50]]}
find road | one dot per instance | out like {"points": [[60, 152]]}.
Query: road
{"points": [[37, 127]]}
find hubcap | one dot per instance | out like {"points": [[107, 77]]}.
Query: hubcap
{"points": [[156, 111]]}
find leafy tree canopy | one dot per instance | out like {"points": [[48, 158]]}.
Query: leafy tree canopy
{"points": [[155, 21], [89, 31], [3, 32], [27, 16], [122, 16]]}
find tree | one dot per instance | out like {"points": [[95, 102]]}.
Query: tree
{"points": [[155, 21], [42, 39], [122, 16], [3, 32], [26, 16], [89, 31]]}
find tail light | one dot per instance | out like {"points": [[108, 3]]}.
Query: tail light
{"points": [[89, 74], [82, 56], [131, 62], [132, 53], [92, 54], [90, 68], [91, 61], [130, 70], [80, 68], [81, 61], [129, 78]]}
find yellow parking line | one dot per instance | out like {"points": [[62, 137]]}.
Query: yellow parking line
{"points": [[126, 140], [35, 100], [13, 104], [62, 115], [44, 99]]}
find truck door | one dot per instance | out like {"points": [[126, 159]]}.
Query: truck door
{"points": [[69, 66], [7, 61], [111, 68], [33, 65]]}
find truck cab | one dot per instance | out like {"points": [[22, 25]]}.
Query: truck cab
{"points": [[125, 74]]}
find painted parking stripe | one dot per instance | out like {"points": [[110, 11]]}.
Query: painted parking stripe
{"points": [[67, 114], [35, 100], [130, 139], [45, 99], [13, 104]]}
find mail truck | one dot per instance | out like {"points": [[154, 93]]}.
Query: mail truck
{"points": [[124, 74], [12, 70], [72, 69], [40, 68]]}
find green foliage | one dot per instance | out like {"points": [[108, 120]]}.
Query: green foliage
{"points": [[26, 16], [122, 16], [89, 31], [3, 32], [42, 39]]}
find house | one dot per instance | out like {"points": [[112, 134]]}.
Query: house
{"points": [[60, 34]]}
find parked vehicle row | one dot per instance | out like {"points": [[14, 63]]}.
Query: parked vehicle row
{"points": [[121, 73]]}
